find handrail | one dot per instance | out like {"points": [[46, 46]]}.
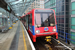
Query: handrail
{"points": [[66, 36]]}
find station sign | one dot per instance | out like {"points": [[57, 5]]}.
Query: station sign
{"points": [[8, 8]]}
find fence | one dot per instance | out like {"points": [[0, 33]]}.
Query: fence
{"points": [[66, 37]]}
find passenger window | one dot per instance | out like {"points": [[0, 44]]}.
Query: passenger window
{"points": [[30, 19]]}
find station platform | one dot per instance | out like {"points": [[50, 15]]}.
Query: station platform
{"points": [[15, 39]]}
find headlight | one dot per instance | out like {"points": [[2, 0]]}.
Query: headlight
{"points": [[54, 30], [37, 31]]}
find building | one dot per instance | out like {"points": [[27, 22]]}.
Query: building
{"points": [[50, 4], [72, 30], [62, 14], [39, 4], [65, 19], [35, 4]]}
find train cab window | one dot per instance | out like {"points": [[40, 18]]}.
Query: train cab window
{"points": [[38, 20], [52, 19], [44, 19], [48, 19]]}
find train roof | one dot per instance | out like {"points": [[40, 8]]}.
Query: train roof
{"points": [[36, 9]]}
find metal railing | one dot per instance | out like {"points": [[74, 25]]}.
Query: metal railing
{"points": [[66, 36]]}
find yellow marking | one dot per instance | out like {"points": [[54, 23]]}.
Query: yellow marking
{"points": [[50, 42], [50, 48], [13, 23], [10, 27], [58, 41], [48, 38], [25, 47]]}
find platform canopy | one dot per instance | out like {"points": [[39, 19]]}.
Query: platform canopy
{"points": [[19, 6]]}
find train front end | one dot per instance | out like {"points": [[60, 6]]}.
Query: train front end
{"points": [[45, 23]]}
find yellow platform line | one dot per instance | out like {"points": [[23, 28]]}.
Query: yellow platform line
{"points": [[25, 47]]}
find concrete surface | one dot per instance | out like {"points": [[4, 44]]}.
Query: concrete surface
{"points": [[6, 38], [21, 40]]}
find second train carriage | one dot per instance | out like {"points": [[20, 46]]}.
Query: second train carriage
{"points": [[40, 22]]}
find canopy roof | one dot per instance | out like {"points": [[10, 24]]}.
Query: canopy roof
{"points": [[19, 6]]}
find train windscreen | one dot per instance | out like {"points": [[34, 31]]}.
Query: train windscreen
{"points": [[44, 18]]}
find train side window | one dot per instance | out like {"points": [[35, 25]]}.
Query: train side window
{"points": [[30, 19], [27, 22]]}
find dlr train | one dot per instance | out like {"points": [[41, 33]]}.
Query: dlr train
{"points": [[40, 22]]}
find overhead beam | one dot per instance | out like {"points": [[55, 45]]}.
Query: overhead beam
{"points": [[19, 3], [4, 5], [11, 1]]}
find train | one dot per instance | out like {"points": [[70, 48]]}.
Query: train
{"points": [[40, 22]]}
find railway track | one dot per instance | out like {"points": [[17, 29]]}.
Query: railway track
{"points": [[41, 44]]}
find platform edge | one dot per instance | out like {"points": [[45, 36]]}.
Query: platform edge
{"points": [[32, 46]]}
